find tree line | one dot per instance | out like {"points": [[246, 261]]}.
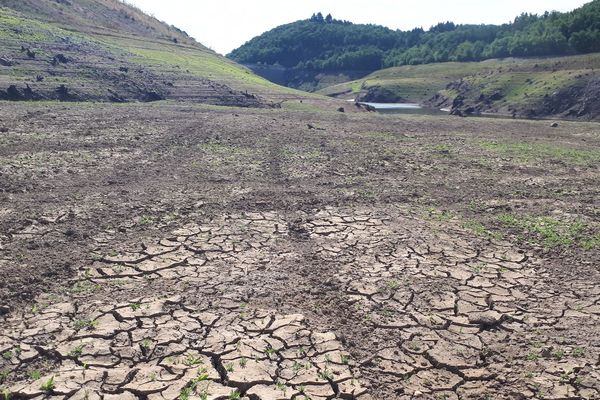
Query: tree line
{"points": [[327, 44]]}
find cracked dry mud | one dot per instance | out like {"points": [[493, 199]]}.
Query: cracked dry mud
{"points": [[448, 318], [256, 298]]}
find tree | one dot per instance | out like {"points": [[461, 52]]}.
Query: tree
{"points": [[321, 43]]}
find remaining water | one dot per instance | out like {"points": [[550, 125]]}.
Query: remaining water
{"points": [[404, 108]]}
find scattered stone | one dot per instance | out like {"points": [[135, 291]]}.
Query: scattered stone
{"points": [[6, 62], [151, 96], [486, 319], [63, 93], [341, 109], [3, 129], [4, 310], [59, 59], [554, 125]]}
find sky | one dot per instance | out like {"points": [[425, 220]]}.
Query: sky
{"points": [[224, 25]]}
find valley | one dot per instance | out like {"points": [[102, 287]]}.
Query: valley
{"points": [[175, 227]]}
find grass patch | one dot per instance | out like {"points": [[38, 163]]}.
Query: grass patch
{"points": [[434, 214], [479, 229], [551, 232], [542, 151]]}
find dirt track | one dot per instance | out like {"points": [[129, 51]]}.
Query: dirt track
{"points": [[148, 251]]}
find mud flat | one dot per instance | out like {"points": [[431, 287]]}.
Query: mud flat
{"points": [[171, 251]]}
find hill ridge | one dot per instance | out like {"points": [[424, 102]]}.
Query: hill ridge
{"points": [[69, 50]]}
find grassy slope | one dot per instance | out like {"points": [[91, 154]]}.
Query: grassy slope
{"points": [[522, 83], [100, 36]]}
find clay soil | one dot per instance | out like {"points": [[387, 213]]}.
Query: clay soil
{"points": [[167, 251]]}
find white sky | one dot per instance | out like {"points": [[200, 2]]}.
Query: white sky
{"points": [[224, 25]]}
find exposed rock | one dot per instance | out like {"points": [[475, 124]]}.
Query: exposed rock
{"points": [[378, 94], [59, 59], [6, 62], [486, 319], [152, 96]]}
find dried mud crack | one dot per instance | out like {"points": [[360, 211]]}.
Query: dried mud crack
{"points": [[268, 280]]}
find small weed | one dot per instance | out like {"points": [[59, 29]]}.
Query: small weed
{"points": [[145, 220], [77, 351], [235, 395], [49, 385], [189, 389], [243, 362], [269, 351], [135, 306], [297, 366], [533, 356], [479, 268], [438, 215], [89, 324], [147, 343], [578, 352], [84, 288], [325, 374], [393, 285], [190, 360], [558, 354], [442, 150], [3, 375], [229, 367], [7, 355], [185, 393], [344, 359], [6, 394], [281, 386], [591, 243]]}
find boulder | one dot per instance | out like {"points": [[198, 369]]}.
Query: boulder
{"points": [[6, 62]]}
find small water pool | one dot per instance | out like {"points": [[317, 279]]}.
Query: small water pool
{"points": [[403, 108]]}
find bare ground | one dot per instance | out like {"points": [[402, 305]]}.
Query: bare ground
{"points": [[163, 251]]}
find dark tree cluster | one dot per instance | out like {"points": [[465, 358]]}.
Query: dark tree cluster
{"points": [[326, 44]]}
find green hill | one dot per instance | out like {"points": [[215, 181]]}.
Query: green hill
{"points": [[537, 87], [105, 50], [319, 50]]}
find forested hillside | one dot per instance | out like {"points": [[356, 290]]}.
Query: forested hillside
{"points": [[324, 44]]}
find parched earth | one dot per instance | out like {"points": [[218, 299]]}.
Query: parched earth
{"points": [[190, 252]]}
